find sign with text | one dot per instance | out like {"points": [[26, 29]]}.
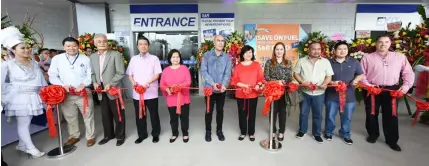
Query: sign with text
{"points": [[363, 34], [263, 37], [175, 17], [394, 26], [216, 24]]}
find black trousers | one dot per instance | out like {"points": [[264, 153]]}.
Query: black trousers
{"points": [[247, 115], [109, 113], [184, 120], [219, 100], [280, 112], [152, 110], [390, 123]]}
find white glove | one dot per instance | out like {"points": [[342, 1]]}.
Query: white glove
{"points": [[420, 68]]}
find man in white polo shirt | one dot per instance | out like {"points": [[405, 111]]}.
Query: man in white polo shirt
{"points": [[312, 70]]}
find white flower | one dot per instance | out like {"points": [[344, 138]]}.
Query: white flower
{"points": [[398, 46], [359, 56], [396, 34]]}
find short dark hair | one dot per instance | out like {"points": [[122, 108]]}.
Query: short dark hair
{"points": [[170, 54], [143, 38], [244, 50], [309, 45], [342, 43], [383, 35], [53, 50], [43, 49], [70, 39]]}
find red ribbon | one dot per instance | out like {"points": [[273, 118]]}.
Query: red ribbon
{"points": [[83, 93], [247, 92], [208, 92], [140, 89], [420, 106], [52, 95], [312, 87], [341, 88], [273, 91], [373, 91], [116, 92], [177, 90], [99, 90], [395, 94]]}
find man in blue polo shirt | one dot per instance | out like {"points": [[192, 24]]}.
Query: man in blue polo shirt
{"points": [[349, 71]]}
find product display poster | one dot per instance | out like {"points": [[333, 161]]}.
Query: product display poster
{"points": [[263, 37], [213, 24]]}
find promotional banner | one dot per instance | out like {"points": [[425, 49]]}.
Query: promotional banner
{"points": [[177, 17], [216, 24], [263, 37], [377, 17]]}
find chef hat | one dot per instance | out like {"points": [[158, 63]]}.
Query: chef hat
{"points": [[10, 37]]}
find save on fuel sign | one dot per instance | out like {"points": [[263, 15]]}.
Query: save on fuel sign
{"points": [[177, 17]]}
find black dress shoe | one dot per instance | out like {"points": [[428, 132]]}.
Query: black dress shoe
{"points": [[155, 139], [208, 137], [119, 142], [252, 138], [371, 140], [104, 141], [395, 147], [173, 139], [139, 140], [220, 136]]}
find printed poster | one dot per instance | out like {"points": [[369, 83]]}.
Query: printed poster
{"points": [[263, 37], [213, 24]]}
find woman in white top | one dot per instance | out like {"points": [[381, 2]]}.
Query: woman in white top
{"points": [[22, 80]]}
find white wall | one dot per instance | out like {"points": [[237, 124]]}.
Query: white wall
{"points": [[54, 22], [91, 18]]}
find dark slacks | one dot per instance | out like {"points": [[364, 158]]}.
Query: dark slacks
{"points": [[247, 115], [184, 120], [219, 100], [390, 123], [152, 111], [280, 113], [109, 114]]}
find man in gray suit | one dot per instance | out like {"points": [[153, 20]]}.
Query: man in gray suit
{"points": [[107, 71]]}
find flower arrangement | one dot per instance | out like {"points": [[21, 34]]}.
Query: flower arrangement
{"points": [[87, 41], [366, 45], [233, 46], [206, 46], [318, 37], [411, 42]]}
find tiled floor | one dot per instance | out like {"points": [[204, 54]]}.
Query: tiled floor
{"points": [[413, 140]]}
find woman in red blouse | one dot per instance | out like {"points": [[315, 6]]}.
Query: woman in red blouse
{"points": [[248, 78], [177, 74]]}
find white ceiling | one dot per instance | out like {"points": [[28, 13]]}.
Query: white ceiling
{"points": [[67, 3]]}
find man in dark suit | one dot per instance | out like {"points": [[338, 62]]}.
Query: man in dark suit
{"points": [[107, 71]]}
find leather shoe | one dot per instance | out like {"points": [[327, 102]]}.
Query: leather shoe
{"points": [[139, 140], [119, 142], [208, 137], [395, 147], [172, 139], [220, 136], [155, 139], [90, 142], [72, 141], [104, 141], [371, 140]]}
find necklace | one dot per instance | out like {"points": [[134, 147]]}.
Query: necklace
{"points": [[72, 64]]}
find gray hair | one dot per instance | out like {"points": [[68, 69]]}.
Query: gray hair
{"points": [[99, 35]]}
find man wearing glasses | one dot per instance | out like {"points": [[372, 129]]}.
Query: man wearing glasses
{"points": [[383, 69]]}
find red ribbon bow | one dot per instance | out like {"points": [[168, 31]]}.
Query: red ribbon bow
{"points": [[273, 91], [83, 93], [99, 90], [341, 88], [208, 92], [292, 87], [312, 87], [116, 92], [140, 89], [52, 95], [395, 94], [421, 106], [177, 90], [373, 91]]}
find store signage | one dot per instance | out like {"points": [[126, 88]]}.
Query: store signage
{"points": [[164, 17], [213, 24]]}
